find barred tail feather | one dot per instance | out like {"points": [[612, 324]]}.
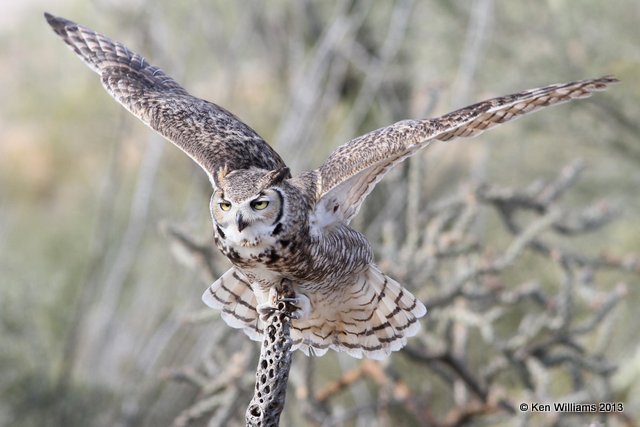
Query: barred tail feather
{"points": [[233, 296], [371, 318], [374, 317]]}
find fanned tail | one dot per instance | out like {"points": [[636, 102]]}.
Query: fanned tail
{"points": [[374, 317], [370, 318], [233, 296]]}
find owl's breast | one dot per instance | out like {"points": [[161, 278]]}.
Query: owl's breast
{"points": [[339, 251], [280, 253]]}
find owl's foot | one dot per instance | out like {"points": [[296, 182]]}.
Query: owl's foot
{"points": [[301, 306], [298, 305]]}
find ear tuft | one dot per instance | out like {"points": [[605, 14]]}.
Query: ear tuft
{"points": [[219, 176], [275, 177]]}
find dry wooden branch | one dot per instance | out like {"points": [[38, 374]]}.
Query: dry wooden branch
{"points": [[273, 367]]}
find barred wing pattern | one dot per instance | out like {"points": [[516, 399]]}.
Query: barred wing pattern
{"points": [[353, 169], [212, 136], [347, 303]]}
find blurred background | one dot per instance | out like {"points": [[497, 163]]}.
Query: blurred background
{"points": [[105, 233]]}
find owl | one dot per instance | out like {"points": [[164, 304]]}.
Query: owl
{"points": [[277, 228]]}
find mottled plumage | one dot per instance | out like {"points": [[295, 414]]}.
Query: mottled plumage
{"points": [[274, 227]]}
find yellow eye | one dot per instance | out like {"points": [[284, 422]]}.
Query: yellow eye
{"points": [[259, 204], [225, 206]]}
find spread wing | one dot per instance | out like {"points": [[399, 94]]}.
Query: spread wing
{"points": [[353, 169], [208, 133]]}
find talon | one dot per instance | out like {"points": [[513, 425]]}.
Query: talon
{"points": [[265, 311], [273, 296], [301, 306]]}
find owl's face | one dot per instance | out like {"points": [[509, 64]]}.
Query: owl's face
{"points": [[246, 212], [246, 221]]}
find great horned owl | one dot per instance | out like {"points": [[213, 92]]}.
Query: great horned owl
{"points": [[274, 227]]}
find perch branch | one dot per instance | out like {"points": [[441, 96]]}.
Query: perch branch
{"points": [[274, 365]]}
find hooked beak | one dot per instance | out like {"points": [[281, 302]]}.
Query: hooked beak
{"points": [[242, 224]]}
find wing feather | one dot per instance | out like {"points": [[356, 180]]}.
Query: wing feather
{"points": [[209, 134], [352, 170]]}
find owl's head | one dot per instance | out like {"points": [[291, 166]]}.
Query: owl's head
{"points": [[248, 204]]}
